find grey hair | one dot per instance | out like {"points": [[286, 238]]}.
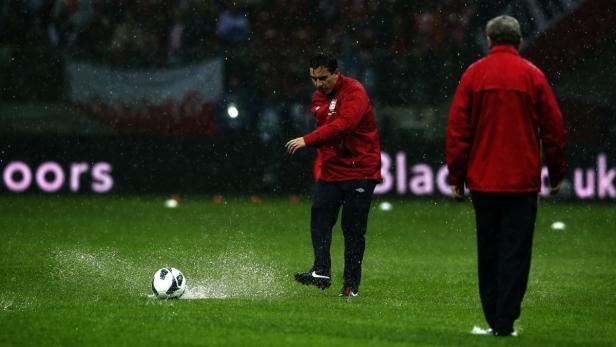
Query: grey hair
{"points": [[504, 30]]}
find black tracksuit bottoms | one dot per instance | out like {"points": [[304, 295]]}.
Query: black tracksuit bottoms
{"points": [[505, 227], [354, 197]]}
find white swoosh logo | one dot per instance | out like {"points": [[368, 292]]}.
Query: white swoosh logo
{"points": [[314, 274]]}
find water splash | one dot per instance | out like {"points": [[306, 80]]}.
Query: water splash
{"points": [[106, 266], [235, 273]]}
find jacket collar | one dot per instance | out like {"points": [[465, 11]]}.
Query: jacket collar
{"points": [[341, 80], [504, 49]]}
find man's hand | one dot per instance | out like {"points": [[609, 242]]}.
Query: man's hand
{"points": [[457, 192], [295, 144], [554, 190]]}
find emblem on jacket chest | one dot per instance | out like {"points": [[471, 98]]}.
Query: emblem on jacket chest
{"points": [[332, 107]]}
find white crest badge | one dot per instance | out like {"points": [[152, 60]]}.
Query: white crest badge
{"points": [[332, 105]]}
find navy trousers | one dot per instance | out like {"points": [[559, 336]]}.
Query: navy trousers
{"points": [[505, 228], [354, 197]]}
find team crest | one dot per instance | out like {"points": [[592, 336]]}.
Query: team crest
{"points": [[332, 105]]}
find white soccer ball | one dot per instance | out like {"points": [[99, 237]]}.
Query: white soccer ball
{"points": [[168, 283]]}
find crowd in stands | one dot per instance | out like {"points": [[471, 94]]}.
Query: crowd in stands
{"points": [[405, 52]]}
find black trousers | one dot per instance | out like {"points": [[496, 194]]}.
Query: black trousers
{"points": [[354, 197], [505, 227]]}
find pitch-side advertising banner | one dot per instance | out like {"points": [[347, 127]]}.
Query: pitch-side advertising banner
{"points": [[51, 176], [403, 175]]}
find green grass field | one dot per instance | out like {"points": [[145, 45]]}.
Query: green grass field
{"points": [[77, 272]]}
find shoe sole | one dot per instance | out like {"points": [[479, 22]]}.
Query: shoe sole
{"points": [[317, 282]]}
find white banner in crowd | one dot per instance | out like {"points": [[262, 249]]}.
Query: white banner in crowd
{"points": [[164, 102], [93, 82]]}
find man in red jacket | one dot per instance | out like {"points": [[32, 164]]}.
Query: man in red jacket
{"points": [[502, 114], [348, 169]]}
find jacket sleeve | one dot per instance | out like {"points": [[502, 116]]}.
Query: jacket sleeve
{"points": [[458, 137], [353, 106], [552, 132]]}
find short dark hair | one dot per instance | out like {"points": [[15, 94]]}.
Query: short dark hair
{"points": [[504, 30], [325, 59]]}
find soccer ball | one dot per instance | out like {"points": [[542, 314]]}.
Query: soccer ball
{"points": [[168, 283]]}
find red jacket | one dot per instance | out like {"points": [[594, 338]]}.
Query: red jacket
{"points": [[502, 112], [346, 138]]}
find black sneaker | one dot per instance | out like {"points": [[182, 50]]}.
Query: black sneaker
{"points": [[313, 278], [349, 291]]}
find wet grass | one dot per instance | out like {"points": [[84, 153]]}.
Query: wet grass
{"points": [[76, 272]]}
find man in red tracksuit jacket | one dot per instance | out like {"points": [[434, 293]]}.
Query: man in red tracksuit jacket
{"points": [[348, 169], [502, 114]]}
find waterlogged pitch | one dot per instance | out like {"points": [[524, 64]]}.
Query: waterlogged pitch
{"points": [[78, 271]]}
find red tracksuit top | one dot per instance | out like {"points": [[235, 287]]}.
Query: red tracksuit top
{"points": [[502, 112], [346, 138]]}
